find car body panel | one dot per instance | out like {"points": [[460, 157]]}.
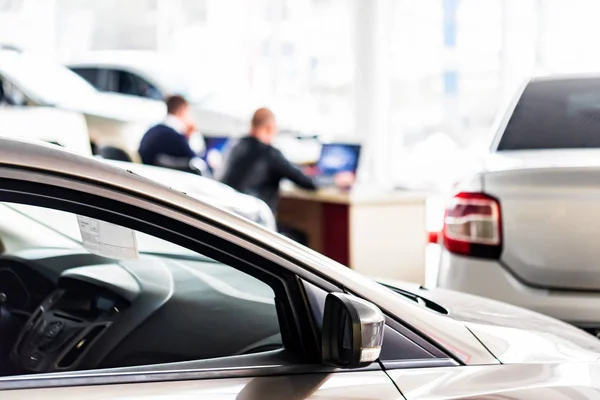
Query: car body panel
{"points": [[512, 334], [489, 278], [32, 124], [547, 199], [516, 382], [119, 107], [119, 121]]}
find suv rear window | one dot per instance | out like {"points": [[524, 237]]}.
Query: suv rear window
{"points": [[555, 114]]}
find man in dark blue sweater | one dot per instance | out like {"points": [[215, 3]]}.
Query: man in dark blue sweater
{"points": [[166, 144]]}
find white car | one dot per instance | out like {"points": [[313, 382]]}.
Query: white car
{"points": [[35, 123], [525, 228], [115, 287], [155, 76], [207, 190], [29, 80], [152, 76]]}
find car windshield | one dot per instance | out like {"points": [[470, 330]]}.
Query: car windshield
{"points": [[44, 80]]}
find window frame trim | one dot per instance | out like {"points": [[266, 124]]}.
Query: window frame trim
{"points": [[64, 379]]}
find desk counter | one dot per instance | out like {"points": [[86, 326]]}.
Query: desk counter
{"points": [[376, 232]]}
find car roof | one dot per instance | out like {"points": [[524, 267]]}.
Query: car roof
{"points": [[118, 57], [200, 187], [143, 62], [565, 77], [47, 158]]}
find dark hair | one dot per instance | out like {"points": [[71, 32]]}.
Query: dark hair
{"points": [[175, 103]]}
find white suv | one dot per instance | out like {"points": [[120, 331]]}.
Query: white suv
{"points": [[525, 228]]}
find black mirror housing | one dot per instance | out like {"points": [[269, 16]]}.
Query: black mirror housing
{"points": [[352, 331]]}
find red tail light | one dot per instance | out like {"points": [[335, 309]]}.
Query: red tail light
{"points": [[433, 237], [473, 226]]}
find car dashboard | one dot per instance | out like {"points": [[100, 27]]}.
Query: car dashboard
{"points": [[76, 311]]}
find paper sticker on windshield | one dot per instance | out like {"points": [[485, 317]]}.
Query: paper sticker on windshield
{"points": [[107, 240]]}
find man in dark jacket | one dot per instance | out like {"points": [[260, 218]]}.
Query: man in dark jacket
{"points": [[254, 167], [166, 144]]}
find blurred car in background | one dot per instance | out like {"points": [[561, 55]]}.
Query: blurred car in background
{"points": [[154, 76], [207, 190], [29, 80], [524, 229], [33, 124], [151, 76]]}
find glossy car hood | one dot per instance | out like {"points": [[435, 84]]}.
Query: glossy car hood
{"points": [[512, 334]]}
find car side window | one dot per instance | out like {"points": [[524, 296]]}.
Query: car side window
{"points": [[127, 84], [135, 85], [89, 74], [117, 297]]}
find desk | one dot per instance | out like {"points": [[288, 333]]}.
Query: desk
{"points": [[377, 233]]}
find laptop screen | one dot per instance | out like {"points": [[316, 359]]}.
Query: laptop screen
{"points": [[216, 143], [215, 147], [336, 157]]}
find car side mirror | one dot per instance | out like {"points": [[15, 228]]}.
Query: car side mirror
{"points": [[352, 331]]}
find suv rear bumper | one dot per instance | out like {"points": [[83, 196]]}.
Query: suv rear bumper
{"points": [[490, 279]]}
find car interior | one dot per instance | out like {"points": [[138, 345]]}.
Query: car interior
{"points": [[63, 308]]}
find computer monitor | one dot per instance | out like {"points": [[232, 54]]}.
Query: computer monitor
{"points": [[338, 157], [215, 143], [215, 147]]}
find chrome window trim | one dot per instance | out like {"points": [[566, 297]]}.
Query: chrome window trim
{"points": [[425, 363], [66, 379]]}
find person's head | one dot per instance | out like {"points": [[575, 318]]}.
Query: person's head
{"points": [[263, 125], [177, 106]]}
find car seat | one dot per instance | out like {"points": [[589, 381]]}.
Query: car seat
{"points": [[113, 153]]}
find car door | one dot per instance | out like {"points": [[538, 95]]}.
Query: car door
{"points": [[295, 371], [511, 381]]}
